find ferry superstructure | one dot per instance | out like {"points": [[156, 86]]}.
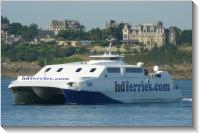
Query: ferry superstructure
{"points": [[103, 79]]}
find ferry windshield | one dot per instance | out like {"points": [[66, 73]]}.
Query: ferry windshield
{"points": [[105, 58]]}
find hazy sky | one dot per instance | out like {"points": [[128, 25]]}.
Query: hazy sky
{"points": [[95, 14]]}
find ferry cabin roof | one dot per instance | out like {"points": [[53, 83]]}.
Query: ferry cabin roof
{"points": [[83, 70], [105, 56], [106, 59]]}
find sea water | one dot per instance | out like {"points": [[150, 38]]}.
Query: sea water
{"points": [[140, 114]]}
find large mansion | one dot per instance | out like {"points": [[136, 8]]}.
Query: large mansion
{"points": [[57, 25], [148, 34]]}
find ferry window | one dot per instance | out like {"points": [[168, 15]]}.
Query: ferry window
{"points": [[78, 69], [145, 72], [48, 69], [113, 70], [114, 58], [158, 75], [59, 70], [93, 69], [133, 70]]}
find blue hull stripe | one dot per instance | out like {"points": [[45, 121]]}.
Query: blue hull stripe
{"points": [[87, 97]]}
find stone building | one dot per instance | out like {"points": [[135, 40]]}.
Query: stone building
{"points": [[46, 36], [57, 25], [149, 35]]}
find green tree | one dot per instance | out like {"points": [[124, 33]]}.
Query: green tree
{"points": [[15, 28], [120, 28], [186, 36], [4, 20], [95, 34], [116, 32], [69, 51], [73, 35], [28, 33]]}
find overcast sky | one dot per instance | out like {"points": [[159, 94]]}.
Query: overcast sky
{"points": [[95, 14]]}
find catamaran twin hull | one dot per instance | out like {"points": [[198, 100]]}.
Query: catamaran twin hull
{"points": [[97, 91], [41, 95]]}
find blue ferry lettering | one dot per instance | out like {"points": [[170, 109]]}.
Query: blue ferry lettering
{"points": [[126, 86]]}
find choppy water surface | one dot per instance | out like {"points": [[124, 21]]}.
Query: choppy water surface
{"points": [[143, 114]]}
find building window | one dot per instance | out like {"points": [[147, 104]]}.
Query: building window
{"points": [[59, 70], [93, 69], [48, 69], [113, 70], [133, 70], [125, 36], [78, 69]]}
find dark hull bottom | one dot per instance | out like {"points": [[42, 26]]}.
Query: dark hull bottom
{"points": [[46, 95], [39, 95], [86, 97]]}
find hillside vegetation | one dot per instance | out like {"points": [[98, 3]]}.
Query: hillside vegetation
{"points": [[16, 59]]}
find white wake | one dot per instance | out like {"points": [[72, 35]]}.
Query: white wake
{"points": [[187, 99]]}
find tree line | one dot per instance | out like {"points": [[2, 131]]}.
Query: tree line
{"points": [[26, 32], [165, 55], [25, 52], [168, 54]]}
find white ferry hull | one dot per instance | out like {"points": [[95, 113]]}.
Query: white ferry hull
{"points": [[134, 90], [93, 92]]}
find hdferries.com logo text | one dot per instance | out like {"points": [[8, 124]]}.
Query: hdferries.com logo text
{"points": [[126, 86], [42, 78]]}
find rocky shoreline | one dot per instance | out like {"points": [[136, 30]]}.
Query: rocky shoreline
{"points": [[14, 69]]}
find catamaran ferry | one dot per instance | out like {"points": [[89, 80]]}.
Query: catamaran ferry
{"points": [[103, 79]]}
